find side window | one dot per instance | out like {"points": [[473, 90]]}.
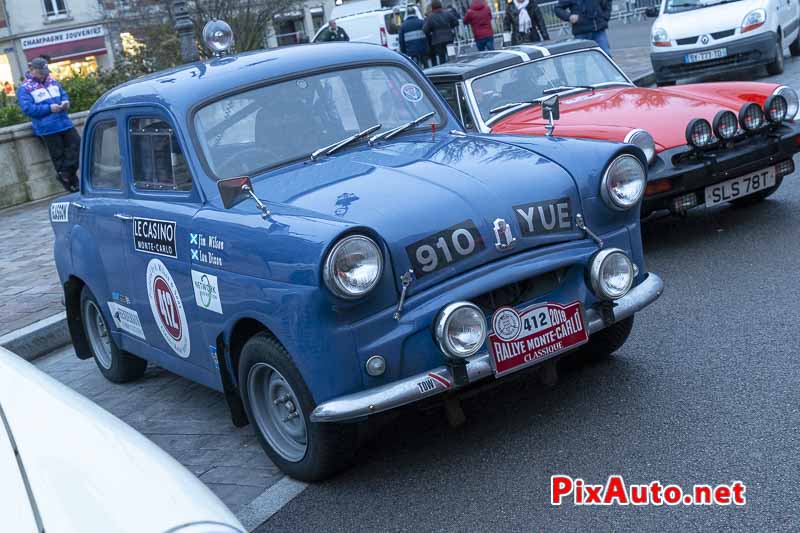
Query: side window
{"points": [[106, 167], [466, 116], [158, 163]]}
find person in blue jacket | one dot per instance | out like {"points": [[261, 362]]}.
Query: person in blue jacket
{"points": [[589, 19], [413, 40], [44, 100]]}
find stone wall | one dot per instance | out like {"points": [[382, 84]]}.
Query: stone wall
{"points": [[26, 172]]}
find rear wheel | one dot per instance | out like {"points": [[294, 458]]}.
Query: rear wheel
{"points": [[605, 342], [278, 404], [758, 197], [776, 67], [794, 48], [115, 365]]}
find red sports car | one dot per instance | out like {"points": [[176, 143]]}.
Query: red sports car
{"points": [[707, 143]]}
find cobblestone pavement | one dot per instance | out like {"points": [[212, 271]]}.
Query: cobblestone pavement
{"points": [[187, 420], [29, 290]]}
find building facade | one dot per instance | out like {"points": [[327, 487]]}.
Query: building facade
{"points": [[72, 34], [300, 25]]}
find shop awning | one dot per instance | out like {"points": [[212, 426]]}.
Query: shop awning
{"points": [[67, 44]]}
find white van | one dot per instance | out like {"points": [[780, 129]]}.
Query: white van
{"points": [[693, 37], [380, 26]]}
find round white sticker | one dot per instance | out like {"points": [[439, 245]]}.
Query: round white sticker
{"points": [[411, 92], [506, 324], [167, 307]]}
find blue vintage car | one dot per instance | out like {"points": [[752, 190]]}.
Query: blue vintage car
{"points": [[310, 231]]}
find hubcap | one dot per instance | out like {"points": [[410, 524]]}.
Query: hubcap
{"points": [[97, 331], [277, 412]]}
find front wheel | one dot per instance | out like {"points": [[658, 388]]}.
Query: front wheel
{"points": [[116, 365], [776, 67], [607, 341], [758, 197], [278, 405]]}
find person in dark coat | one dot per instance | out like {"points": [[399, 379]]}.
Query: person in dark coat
{"points": [[44, 100], [439, 27], [589, 19], [525, 22], [479, 16], [334, 32], [413, 41]]}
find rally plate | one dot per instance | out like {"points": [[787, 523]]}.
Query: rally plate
{"points": [[522, 338]]}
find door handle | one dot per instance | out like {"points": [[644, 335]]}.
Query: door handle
{"points": [[78, 205], [123, 216]]}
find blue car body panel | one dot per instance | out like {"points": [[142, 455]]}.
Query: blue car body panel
{"points": [[270, 270]]}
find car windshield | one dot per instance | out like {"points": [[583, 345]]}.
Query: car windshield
{"points": [[529, 81], [676, 6], [251, 131]]}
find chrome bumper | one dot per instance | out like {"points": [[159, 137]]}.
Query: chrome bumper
{"points": [[440, 379]]}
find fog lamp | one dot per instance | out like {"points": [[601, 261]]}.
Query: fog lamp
{"points": [[751, 117], [776, 108], [611, 274], [725, 125], [699, 133], [460, 329]]}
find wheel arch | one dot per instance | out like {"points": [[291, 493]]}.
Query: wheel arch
{"points": [[72, 301]]}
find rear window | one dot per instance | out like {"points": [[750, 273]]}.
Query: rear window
{"points": [[393, 23]]}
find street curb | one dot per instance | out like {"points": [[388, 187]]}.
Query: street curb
{"points": [[38, 338], [645, 80]]}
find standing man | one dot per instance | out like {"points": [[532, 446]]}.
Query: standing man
{"points": [[525, 22], [439, 28], [589, 19], [333, 33], [413, 41], [43, 99], [479, 16]]}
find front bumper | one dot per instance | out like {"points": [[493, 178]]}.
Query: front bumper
{"points": [[409, 390], [742, 53], [691, 171]]}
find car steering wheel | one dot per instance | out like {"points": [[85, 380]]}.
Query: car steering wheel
{"points": [[238, 161]]}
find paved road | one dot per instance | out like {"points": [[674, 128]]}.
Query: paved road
{"points": [[705, 391]]}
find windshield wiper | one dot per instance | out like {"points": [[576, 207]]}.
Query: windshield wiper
{"points": [[388, 134], [503, 107], [328, 150], [562, 88]]}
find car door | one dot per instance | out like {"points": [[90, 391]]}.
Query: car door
{"points": [[163, 202], [99, 211]]}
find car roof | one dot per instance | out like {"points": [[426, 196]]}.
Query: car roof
{"points": [[472, 65], [182, 87]]}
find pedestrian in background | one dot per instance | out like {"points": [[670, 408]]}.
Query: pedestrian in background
{"points": [[44, 100], [334, 32], [479, 17], [439, 27], [589, 19], [525, 22], [413, 41]]}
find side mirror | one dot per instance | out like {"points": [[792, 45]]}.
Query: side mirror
{"points": [[551, 111], [651, 12], [234, 190]]}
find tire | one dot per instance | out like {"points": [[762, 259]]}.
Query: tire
{"points": [[272, 390], [665, 83], [757, 197], [116, 365], [776, 67], [794, 48], [605, 342]]}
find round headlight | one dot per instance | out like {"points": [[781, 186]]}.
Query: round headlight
{"points": [[698, 133], [460, 329], [611, 273], [623, 183], [792, 103], [776, 108], [725, 125], [353, 267], [751, 117], [643, 140], [659, 37]]}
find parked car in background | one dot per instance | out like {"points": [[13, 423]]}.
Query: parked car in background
{"points": [[380, 26], [706, 143], [310, 231], [67, 465], [700, 37]]}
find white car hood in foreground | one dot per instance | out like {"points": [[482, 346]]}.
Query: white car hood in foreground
{"points": [[88, 471], [708, 20]]}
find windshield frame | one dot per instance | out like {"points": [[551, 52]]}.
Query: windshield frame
{"points": [[696, 7], [484, 126], [435, 98]]}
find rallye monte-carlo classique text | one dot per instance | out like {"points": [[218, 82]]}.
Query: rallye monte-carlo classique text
{"points": [[310, 231]]}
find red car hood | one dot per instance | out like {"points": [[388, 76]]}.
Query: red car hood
{"points": [[609, 114]]}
